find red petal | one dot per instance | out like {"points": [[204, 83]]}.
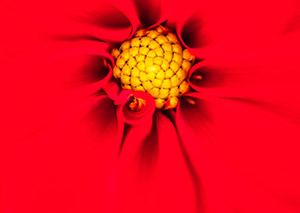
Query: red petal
{"points": [[178, 184], [64, 167], [104, 20], [205, 27], [267, 75], [252, 147], [152, 174], [54, 78]]}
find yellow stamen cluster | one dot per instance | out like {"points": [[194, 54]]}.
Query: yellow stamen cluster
{"points": [[154, 61]]}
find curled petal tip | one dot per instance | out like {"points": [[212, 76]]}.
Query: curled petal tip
{"points": [[136, 104]]}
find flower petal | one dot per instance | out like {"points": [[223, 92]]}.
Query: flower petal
{"points": [[64, 167], [163, 181], [104, 20], [179, 186], [206, 27], [92, 68], [128, 190], [241, 142], [266, 75], [54, 78]]}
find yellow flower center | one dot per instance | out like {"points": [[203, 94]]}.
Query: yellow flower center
{"points": [[154, 61]]}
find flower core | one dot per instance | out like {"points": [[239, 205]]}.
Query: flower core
{"points": [[154, 61]]}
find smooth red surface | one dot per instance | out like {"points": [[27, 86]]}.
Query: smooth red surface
{"points": [[66, 144]]}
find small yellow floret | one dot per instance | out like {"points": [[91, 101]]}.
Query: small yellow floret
{"points": [[159, 102], [115, 53], [144, 50]]}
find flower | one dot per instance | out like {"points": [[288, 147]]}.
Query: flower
{"points": [[71, 144]]}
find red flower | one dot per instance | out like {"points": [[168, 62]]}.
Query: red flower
{"points": [[68, 144]]}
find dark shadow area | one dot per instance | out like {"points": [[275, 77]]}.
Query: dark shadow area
{"points": [[192, 32], [125, 132], [149, 11], [71, 38], [101, 120], [197, 115], [94, 68], [209, 77]]}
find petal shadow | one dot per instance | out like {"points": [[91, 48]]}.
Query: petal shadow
{"points": [[192, 32], [149, 11]]}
